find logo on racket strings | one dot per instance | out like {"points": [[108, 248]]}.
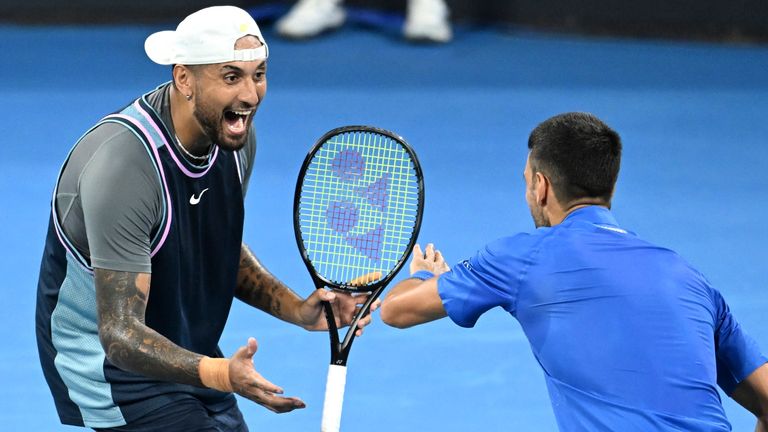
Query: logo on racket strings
{"points": [[343, 215]]}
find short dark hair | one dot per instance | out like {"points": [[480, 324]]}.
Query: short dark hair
{"points": [[579, 154]]}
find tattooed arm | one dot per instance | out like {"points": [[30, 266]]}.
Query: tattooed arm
{"points": [[260, 289], [121, 299]]}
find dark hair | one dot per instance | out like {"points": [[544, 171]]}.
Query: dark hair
{"points": [[579, 154]]}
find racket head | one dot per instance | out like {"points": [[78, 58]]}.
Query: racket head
{"points": [[357, 207]]}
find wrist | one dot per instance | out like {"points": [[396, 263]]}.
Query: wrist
{"points": [[423, 275], [214, 373]]}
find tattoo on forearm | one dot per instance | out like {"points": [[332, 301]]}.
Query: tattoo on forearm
{"points": [[131, 345], [259, 288]]}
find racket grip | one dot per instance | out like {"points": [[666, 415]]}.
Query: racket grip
{"points": [[334, 398]]}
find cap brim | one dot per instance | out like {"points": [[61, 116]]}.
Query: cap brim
{"points": [[159, 47]]}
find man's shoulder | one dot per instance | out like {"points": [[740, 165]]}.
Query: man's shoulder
{"points": [[522, 243], [112, 137], [110, 146]]}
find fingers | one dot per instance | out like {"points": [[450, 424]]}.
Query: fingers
{"points": [[266, 394], [278, 404], [431, 260], [429, 252], [440, 261], [365, 279], [259, 383], [320, 295], [263, 394], [417, 259], [250, 384], [367, 319], [375, 305], [438, 256], [361, 325]]}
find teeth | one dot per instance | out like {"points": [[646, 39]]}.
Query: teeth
{"points": [[242, 113]]}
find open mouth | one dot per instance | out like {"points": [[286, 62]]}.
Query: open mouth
{"points": [[237, 121]]}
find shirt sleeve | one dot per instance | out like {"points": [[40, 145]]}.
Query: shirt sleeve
{"points": [[247, 155], [488, 279], [738, 355], [122, 203]]}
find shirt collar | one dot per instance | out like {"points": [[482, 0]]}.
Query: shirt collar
{"points": [[592, 214]]}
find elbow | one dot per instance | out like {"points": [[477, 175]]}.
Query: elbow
{"points": [[392, 317]]}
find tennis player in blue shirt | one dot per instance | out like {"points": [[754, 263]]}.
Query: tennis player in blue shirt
{"points": [[629, 335]]}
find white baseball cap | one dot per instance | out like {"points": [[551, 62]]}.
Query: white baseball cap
{"points": [[207, 36]]}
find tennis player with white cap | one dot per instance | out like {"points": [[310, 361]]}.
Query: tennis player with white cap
{"points": [[144, 252]]}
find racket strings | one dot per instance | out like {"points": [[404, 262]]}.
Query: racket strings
{"points": [[359, 204]]}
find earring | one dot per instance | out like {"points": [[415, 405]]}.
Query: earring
{"points": [[189, 97]]}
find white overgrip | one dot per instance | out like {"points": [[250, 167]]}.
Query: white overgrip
{"points": [[334, 398]]}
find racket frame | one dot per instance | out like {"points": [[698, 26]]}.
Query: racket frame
{"points": [[318, 279], [340, 349], [336, 380]]}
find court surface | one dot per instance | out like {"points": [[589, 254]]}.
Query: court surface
{"points": [[694, 178]]}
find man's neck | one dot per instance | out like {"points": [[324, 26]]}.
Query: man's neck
{"points": [[188, 132], [559, 215]]}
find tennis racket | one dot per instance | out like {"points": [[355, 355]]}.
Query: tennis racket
{"points": [[357, 213]]}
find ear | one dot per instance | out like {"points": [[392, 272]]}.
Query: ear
{"points": [[184, 79], [541, 188]]}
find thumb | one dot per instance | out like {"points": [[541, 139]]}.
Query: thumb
{"points": [[252, 346], [320, 295], [246, 352]]}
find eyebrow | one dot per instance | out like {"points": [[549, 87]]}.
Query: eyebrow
{"points": [[237, 69]]}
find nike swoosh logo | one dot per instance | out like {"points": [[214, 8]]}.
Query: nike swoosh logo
{"points": [[196, 199]]}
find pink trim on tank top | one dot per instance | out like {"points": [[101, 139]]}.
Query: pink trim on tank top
{"points": [[171, 150]]}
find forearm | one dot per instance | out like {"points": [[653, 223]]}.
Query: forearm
{"points": [[411, 302], [128, 343], [257, 287], [752, 394], [137, 348], [401, 288]]}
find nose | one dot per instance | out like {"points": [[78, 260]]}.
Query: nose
{"points": [[252, 92]]}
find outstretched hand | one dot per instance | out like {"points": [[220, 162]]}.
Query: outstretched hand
{"points": [[251, 385], [430, 260], [345, 306]]}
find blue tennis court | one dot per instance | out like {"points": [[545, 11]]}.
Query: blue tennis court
{"points": [[694, 178]]}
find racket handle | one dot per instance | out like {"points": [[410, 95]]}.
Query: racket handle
{"points": [[334, 398]]}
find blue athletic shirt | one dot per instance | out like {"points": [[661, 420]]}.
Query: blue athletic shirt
{"points": [[630, 337]]}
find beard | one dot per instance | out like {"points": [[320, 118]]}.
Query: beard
{"points": [[211, 122], [539, 218]]}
